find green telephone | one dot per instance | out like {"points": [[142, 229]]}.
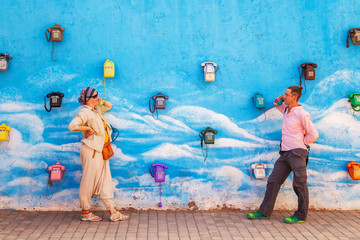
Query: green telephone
{"points": [[354, 99]]}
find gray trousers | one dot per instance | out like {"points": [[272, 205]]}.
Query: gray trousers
{"points": [[293, 160]]}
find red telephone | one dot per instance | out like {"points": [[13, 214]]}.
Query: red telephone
{"points": [[56, 171], [353, 170], [309, 73]]}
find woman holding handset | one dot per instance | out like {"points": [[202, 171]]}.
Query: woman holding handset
{"points": [[96, 179]]}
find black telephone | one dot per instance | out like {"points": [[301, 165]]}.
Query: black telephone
{"points": [[55, 100], [4, 61], [354, 34], [208, 136], [158, 103]]}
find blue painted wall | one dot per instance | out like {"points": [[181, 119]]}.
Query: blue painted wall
{"points": [[158, 46]]}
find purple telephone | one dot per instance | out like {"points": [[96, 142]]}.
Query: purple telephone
{"points": [[159, 172], [159, 175]]}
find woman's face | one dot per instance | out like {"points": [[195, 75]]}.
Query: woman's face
{"points": [[94, 99]]}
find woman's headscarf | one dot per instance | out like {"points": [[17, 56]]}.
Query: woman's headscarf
{"points": [[85, 95]]}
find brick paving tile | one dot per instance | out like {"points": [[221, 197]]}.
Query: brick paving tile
{"points": [[178, 225]]}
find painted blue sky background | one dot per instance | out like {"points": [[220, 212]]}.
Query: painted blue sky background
{"points": [[158, 46]]}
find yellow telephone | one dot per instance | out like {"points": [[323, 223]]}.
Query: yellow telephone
{"points": [[109, 72], [109, 69], [4, 133]]}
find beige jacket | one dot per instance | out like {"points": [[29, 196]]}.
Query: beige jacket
{"points": [[92, 117]]}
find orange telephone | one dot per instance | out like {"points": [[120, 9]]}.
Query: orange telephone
{"points": [[353, 170]]}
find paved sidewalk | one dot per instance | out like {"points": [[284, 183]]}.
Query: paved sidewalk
{"points": [[224, 224]]}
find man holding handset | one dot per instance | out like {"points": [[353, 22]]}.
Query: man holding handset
{"points": [[298, 132]]}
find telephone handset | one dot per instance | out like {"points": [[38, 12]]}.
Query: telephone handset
{"points": [[56, 33], [354, 99], [4, 61], [158, 103], [353, 169], [55, 174], [158, 175], [259, 170], [55, 100], [4, 134], [354, 34], [208, 136]]}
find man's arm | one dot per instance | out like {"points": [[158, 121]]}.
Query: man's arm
{"points": [[311, 134]]}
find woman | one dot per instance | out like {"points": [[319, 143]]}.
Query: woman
{"points": [[96, 179]]}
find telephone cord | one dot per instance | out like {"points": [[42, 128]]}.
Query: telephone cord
{"points": [[47, 188], [160, 192], [347, 40], [45, 105], [7, 143], [259, 115], [53, 54], [251, 176], [301, 73], [207, 84], [206, 152], [347, 179]]}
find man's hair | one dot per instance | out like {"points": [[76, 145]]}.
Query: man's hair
{"points": [[295, 90]]}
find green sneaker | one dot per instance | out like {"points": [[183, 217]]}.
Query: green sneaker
{"points": [[292, 220], [256, 215]]}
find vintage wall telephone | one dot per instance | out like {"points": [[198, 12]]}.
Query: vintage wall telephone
{"points": [[55, 100], [259, 170], [55, 174], [4, 134], [207, 136], [209, 70], [158, 103], [158, 175], [354, 34], [56, 35], [353, 169], [308, 71], [109, 72], [4, 61], [109, 69], [354, 99], [259, 101]]}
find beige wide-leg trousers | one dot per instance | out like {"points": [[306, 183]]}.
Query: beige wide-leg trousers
{"points": [[96, 179]]}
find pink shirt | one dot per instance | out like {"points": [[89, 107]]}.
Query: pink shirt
{"points": [[297, 128]]}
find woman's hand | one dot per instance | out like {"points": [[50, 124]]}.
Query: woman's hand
{"points": [[89, 133]]}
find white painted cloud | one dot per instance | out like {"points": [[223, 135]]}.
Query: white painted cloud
{"points": [[340, 129], [170, 151], [203, 116], [26, 123], [12, 107], [340, 83]]}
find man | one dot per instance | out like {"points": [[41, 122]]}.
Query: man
{"points": [[298, 131]]}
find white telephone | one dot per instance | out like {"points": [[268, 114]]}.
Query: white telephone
{"points": [[259, 170], [209, 71]]}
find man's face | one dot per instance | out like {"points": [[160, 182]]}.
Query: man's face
{"points": [[289, 98]]}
